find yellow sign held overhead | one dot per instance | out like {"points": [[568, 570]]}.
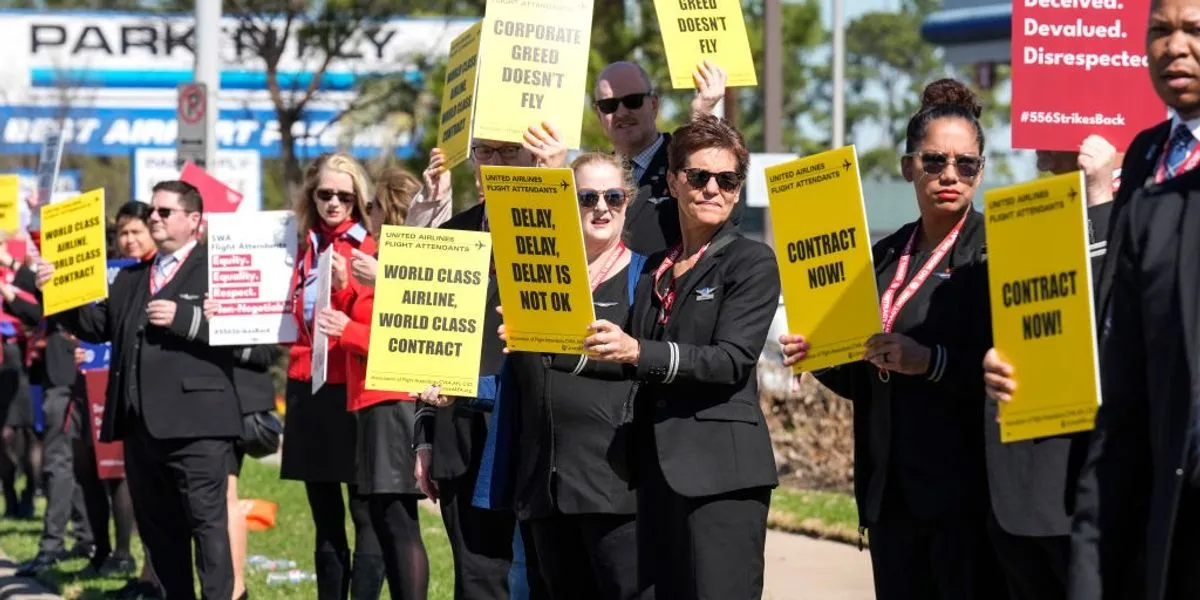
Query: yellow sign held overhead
{"points": [[430, 328], [458, 97], [1043, 319], [541, 265], [694, 31], [823, 247], [73, 241], [535, 69], [10, 213]]}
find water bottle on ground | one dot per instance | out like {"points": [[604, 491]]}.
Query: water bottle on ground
{"points": [[291, 577]]}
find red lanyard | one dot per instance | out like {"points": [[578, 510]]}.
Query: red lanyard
{"points": [[1189, 163], [667, 300], [612, 261], [889, 309], [174, 271]]}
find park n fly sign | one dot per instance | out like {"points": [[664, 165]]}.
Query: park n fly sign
{"points": [[115, 76]]}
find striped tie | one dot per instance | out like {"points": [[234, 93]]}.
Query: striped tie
{"points": [[1179, 147], [162, 272]]}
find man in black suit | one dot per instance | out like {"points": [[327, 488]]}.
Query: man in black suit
{"points": [[1138, 511], [171, 398], [449, 440], [627, 106]]}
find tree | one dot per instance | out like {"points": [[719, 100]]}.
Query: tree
{"points": [[888, 64], [269, 28]]}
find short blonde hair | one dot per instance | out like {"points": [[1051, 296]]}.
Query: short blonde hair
{"points": [[305, 205]]}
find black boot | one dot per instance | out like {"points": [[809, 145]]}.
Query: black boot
{"points": [[366, 581], [333, 575]]}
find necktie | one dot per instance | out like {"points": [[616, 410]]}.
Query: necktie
{"points": [[162, 272], [1179, 147]]}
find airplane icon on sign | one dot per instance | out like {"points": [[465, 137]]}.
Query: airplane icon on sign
{"points": [[564, 184], [479, 245], [846, 164]]}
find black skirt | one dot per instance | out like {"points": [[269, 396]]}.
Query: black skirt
{"points": [[385, 454], [318, 434]]}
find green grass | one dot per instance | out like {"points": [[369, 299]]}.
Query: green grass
{"points": [[291, 538], [829, 515]]}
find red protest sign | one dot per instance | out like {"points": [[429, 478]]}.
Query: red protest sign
{"points": [[1079, 67], [217, 196], [110, 456]]}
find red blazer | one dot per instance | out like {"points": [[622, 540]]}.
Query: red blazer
{"points": [[356, 340], [300, 353]]}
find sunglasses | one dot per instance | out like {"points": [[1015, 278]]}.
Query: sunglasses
{"points": [[488, 152], [609, 106], [165, 213], [614, 198], [325, 195], [933, 163], [728, 181]]}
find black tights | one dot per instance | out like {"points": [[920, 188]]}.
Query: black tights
{"points": [[333, 547], [396, 522], [101, 496]]}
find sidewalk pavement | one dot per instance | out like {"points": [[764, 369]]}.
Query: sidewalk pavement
{"points": [[20, 588], [803, 568]]}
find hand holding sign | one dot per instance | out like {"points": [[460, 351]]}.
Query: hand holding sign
{"points": [[45, 271], [1096, 161], [436, 175], [710, 87], [794, 348], [546, 145], [433, 396], [332, 322], [998, 378], [609, 342], [364, 267], [340, 278]]}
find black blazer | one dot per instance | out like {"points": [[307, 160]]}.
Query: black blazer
{"points": [[957, 320], [1137, 172], [1137, 464], [56, 365], [179, 386], [252, 377], [697, 376], [652, 219], [458, 434]]}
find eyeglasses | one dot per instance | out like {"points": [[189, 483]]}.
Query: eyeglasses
{"points": [[609, 106], [325, 195], [728, 181], [933, 163], [489, 152], [165, 213], [614, 198]]}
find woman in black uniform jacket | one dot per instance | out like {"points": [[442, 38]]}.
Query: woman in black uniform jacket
{"points": [[918, 394], [576, 512], [701, 457]]}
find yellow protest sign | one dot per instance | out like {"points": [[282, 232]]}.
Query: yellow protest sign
{"points": [[10, 213], [427, 322], [458, 97], [697, 30], [823, 247], [73, 241], [541, 265], [535, 69], [1040, 284]]}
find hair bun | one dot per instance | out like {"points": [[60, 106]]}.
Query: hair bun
{"points": [[948, 92]]}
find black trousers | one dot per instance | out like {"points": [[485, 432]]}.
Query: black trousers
{"points": [[1035, 568], [63, 499], [480, 540], [947, 559], [102, 499], [178, 489], [708, 548], [1183, 574], [585, 557]]}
